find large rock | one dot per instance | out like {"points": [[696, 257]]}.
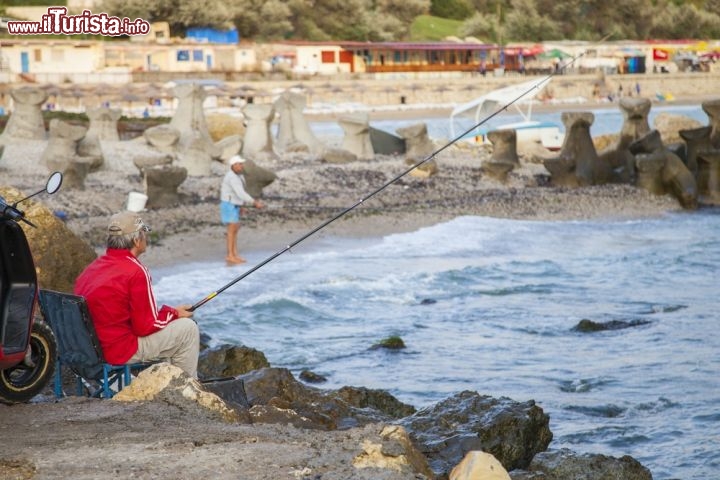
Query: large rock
{"points": [[385, 143], [357, 135], [709, 176], [670, 125], [417, 142], [697, 140], [394, 451], [504, 156], [712, 110], [257, 178], [59, 254], [171, 385], [635, 112], [661, 171], [194, 149], [161, 185], [277, 397], [103, 127], [479, 466], [565, 464], [578, 163], [293, 128], [62, 153], [512, 432], [26, 121], [379, 400], [257, 143], [229, 361]]}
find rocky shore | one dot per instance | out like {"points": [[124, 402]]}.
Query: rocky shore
{"points": [[296, 431]]}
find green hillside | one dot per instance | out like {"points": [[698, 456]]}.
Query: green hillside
{"points": [[429, 28]]}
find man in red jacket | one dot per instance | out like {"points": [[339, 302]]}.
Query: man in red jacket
{"points": [[119, 295]]}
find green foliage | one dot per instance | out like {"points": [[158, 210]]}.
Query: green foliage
{"points": [[34, 3], [180, 14], [429, 28], [498, 21], [69, 117], [454, 9]]}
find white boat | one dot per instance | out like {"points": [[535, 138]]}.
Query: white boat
{"points": [[491, 104]]}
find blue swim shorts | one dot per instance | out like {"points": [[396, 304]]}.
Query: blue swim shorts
{"points": [[229, 213]]}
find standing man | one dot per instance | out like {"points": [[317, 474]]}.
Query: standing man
{"points": [[119, 295], [232, 197]]}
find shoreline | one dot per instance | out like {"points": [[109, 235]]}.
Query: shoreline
{"points": [[265, 235]]}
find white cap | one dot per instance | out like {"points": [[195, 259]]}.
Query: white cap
{"points": [[235, 159]]}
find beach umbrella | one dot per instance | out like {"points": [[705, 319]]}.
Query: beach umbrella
{"points": [[74, 92], [130, 98], [554, 53]]}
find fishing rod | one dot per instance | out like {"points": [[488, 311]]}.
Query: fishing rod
{"points": [[389, 182]]}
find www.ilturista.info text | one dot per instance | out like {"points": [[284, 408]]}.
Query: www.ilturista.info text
{"points": [[58, 22]]}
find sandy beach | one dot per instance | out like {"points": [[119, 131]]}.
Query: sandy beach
{"points": [[79, 438]]}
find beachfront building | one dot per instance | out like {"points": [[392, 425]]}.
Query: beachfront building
{"points": [[388, 58], [179, 57], [52, 61], [156, 57], [312, 58], [33, 59], [433, 57]]}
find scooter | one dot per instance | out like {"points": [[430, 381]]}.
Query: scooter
{"points": [[28, 349]]}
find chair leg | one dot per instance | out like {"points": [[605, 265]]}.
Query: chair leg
{"points": [[128, 378], [79, 385], [57, 388], [107, 393]]}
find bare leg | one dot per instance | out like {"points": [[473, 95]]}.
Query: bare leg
{"points": [[232, 256]]}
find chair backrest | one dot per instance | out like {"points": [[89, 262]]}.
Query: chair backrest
{"points": [[78, 346]]}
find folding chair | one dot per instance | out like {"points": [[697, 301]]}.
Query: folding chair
{"points": [[79, 348]]}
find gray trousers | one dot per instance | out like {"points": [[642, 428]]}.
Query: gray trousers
{"points": [[178, 343]]}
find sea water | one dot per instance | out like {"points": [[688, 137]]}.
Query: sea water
{"points": [[490, 305], [607, 120]]}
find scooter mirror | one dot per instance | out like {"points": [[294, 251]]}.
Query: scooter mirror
{"points": [[54, 182]]}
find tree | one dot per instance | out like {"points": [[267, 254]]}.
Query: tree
{"points": [[685, 22], [180, 14], [483, 26], [454, 9], [525, 23], [404, 10]]}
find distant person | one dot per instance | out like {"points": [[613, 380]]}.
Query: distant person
{"points": [[637, 88], [119, 295], [232, 197]]}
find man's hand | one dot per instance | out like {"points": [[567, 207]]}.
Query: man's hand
{"points": [[258, 204], [183, 311]]}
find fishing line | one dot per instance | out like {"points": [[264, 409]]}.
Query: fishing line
{"points": [[347, 210]]}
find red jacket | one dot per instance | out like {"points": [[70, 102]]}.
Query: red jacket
{"points": [[119, 296]]}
